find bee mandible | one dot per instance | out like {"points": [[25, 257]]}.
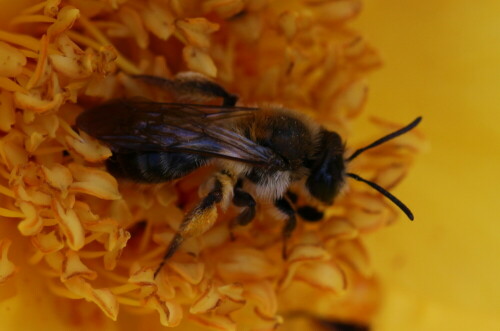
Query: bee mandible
{"points": [[258, 152]]}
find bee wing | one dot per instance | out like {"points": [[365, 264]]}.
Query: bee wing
{"points": [[129, 125]]}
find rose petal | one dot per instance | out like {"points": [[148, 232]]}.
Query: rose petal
{"points": [[196, 31], [103, 298], [354, 254], [12, 60], [299, 255], [192, 272], [70, 226], [51, 8], [323, 275], [7, 111], [91, 149], [32, 194], [158, 20], [199, 61], [208, 300], [12, 150], [32, 224], [7, 268], [245, 264], [263, 295], [93, 182], [338, 229], [73, 267], [215, 322], [47, 242], [33, 102], [170, 312], [333, 12], [132, 19], [65, 20], [58, 176], [288, 24]]}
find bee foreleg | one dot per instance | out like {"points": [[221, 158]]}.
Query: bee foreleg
{"points": [[191, 86], [310, 213], [202, 217], [306, 212], [290, 221], [245, 200]]}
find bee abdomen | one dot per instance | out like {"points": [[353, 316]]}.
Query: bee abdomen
{"points": [[153, 167]]}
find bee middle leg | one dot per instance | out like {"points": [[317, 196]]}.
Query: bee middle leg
{"points": [[245, 200], [203, 216], [191, 86], [306, 212], [286, 208]]}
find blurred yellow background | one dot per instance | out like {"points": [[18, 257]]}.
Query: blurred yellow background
{"points": [[442, 61]]}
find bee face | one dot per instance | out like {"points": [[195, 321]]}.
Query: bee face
{"points": [[327, 169]]}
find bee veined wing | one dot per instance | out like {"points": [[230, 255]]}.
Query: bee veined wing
{"points": [[141, 125]]}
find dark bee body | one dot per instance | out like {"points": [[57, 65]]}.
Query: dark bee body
{"points": [[153, 167], [259, 152]]}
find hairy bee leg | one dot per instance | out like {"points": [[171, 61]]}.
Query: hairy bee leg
{"points": [[191, 86], [290, 222], [242, 199], [202, 217]]}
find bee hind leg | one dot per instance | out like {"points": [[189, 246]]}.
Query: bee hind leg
{"points": [[202, 217], [284, 206], [245, 200], [191, 86]]}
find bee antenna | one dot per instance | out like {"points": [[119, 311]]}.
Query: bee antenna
{"points": [[385, 193], [386, 138]]}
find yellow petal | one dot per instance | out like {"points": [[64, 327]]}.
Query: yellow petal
{"points": [[93, 182], [158, 20], [91, 149], [323, 275], [101, 297], [48, 242], [73, 267], [70, 226], [215, 322], [200, 61], [245, 264], [170, 312], [7, 268], [12, 61], [196, 31], [192, 272], [7, 111], [66, 17], [35, 103], [263, 296], [58, 176], [209, 300], [33, 223]]}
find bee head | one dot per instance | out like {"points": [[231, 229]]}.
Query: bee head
{"points": [[327, 168]]}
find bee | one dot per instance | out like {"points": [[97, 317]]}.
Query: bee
{"points": [[258, 152]]}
